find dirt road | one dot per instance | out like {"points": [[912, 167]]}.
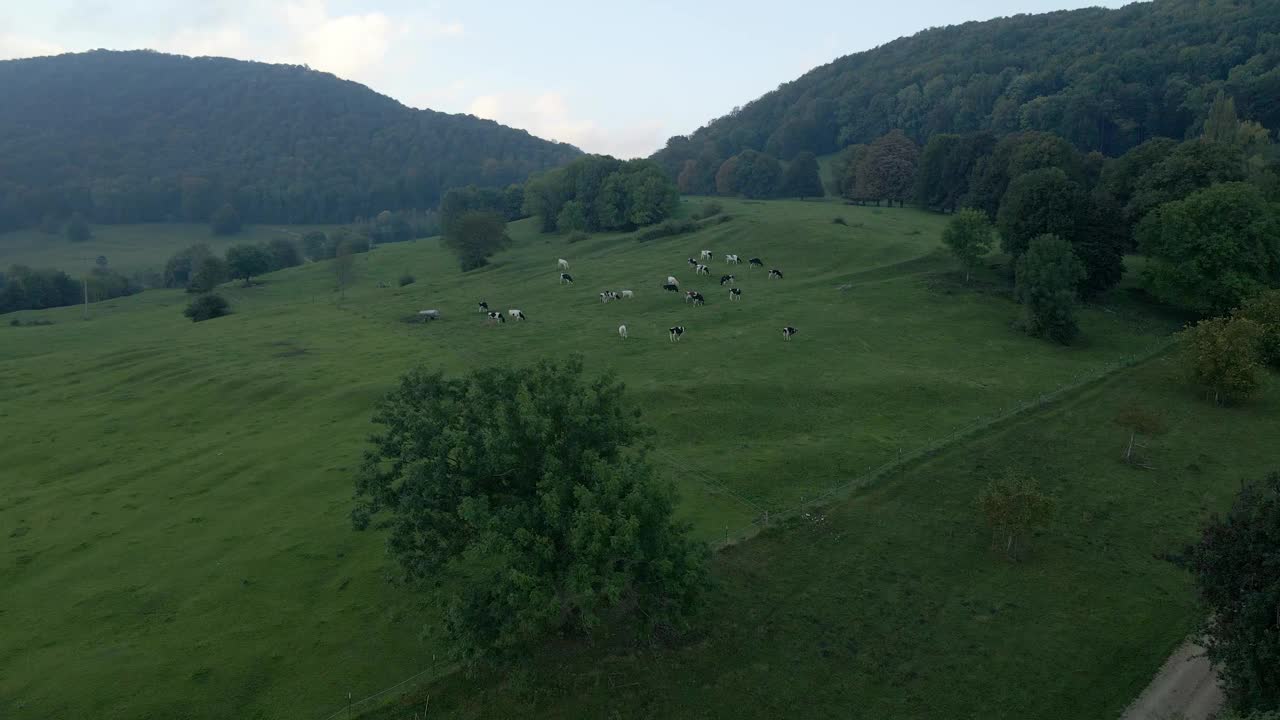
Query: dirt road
{"points": [[1186, 688]]}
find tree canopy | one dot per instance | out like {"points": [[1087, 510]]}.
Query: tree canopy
{"points": [[1101, 79], [802, 178], [968, 236], [475, 236], [530, 485], [1212, 250], [597, 192], [112, 135], [1047, 276]]}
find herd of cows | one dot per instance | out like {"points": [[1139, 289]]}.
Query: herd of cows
{"points": [[495, 317]]}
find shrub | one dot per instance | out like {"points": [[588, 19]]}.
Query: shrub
{"points": [[225, 220], [1221, 356], [706, 210], [668, 229], [207, 307], [839, 221], [1046, 278], [577, 236], [406, 279], [1264, 309]]}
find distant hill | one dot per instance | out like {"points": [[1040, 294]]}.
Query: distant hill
{"points": [[1104, 79], [143, 136]]}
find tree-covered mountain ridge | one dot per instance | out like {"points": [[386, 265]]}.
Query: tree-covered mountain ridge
{"points": [[139, 136], [1105, 80]]}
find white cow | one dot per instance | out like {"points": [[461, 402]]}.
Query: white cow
{"points": [[564, 264], [706, 254], [701, 270], [671, 280], [626, 294], [622, 331], [732, 260]]}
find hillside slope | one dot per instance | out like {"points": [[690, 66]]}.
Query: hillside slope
{"points": [[142, 136], [1104, 79]]}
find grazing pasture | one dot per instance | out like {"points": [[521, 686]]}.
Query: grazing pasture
{"points": [[175, 495]]}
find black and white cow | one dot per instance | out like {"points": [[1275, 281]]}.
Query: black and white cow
{"points": [[483, 306], [693, 263], [788, 331], [705, 254], [671, 287], [566, 279], [671, 280], [701, 270], [726, 280], [697, 298], [608, 295], [734, 293], [496, 317], [732, 260], [756, 262], [516, 314], [676, 332], [775, 273]]}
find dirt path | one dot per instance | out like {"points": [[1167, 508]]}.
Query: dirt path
{"points": [[1184, 688]]}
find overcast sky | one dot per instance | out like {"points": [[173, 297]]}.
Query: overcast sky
{"points": [[607, 78]]}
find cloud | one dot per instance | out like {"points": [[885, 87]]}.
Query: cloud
{"points": [[548, 115], [17, 46]]}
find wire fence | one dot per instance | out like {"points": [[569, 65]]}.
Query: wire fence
{"points": [[767, 516]]}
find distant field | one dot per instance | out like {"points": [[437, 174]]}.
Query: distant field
{"points": [[175, 497], [128, 248]]}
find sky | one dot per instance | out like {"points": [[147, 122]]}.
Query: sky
{"points": [[609, 77]]}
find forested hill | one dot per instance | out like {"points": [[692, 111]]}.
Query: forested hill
{"points": [[1103, 79], [143, 136]]}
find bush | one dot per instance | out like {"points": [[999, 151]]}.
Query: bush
{"points": [[207, 307], [225, 220], [16, 322], [577, 236], [1221, 356], [1264, 309], [707, 210], [838, 221], [406, 279], [668, 229]]}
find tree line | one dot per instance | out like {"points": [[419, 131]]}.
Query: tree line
{"points": [[128, 137], [26, 288]]}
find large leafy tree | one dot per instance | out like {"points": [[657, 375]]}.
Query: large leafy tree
{"points": [[247, 261], [888, 170], [1264, 309], [597, 193], [530, 486], [1191, 166], [1212, 250], [1221, 357], [968, 237], [476, 236], [1040, 202], [802, 178], [947, 164], [210, 273], [1234, 566], [1047, 276], [1100, 241]]}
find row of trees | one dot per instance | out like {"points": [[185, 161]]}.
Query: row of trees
{"points": [[25, 288], [754, 174], [596, 193]]}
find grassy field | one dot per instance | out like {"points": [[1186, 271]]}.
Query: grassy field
{"points": [[176, 495], [128, 248]]}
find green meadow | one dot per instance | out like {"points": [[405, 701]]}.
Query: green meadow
{"points": [[176, 495]]}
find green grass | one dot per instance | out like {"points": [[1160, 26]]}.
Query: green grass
{"points": [[176, 495], [128, 248]]}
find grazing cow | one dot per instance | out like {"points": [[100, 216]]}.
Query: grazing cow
{"points": [[726, 280], [671, 287], [606, 296], [788, 331], [702, 270], [676, 332], [496, 317], [516, 315], [705, 255], [622, 331], [775, 273], [732, 260], [563, 264], [484, 306], [671, 280], [734, 293], [566, 278], [756, 262], [697, 298], [693, 263], [429, 315], [627, 294]]}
